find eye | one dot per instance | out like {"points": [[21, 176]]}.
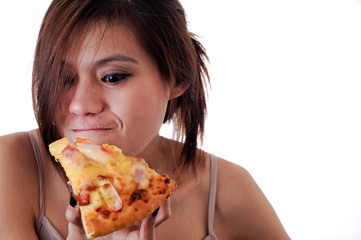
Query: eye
{"points": [[115, 78], [67, 80]]}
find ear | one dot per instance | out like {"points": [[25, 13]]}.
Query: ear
{"points": [[177, 91]]}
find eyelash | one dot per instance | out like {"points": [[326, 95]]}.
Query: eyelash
{"points": [[118, 77], [67, 80]]}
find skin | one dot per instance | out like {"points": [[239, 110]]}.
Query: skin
{"points": [[128, 114], [115, 93]]}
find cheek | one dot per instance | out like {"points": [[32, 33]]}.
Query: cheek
{"points": [[141, 118], [143, 108], [141, 114]]}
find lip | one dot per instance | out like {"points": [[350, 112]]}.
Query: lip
{"points": [[91, 129], [91, 133]]}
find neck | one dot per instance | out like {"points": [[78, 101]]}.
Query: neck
{"points": [[156, 154], [162, 154]]}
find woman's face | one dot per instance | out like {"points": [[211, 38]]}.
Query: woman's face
{"points": [[114, 92]]}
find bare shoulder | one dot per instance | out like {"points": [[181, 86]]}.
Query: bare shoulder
{"points": [[242, 210], [18, 191], [15, 151], [10, 141]]}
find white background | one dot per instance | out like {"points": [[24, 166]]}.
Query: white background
{"points": [[285, 99]]}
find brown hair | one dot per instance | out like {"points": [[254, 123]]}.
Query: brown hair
{"points": [[161, 28]]}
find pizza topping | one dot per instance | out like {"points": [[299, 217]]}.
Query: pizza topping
{"points": [[139, 160], [87, 186], [139, 194], [84, 140], [73, 156], [92, 151], [110, 195], [118, 183], [105, 213], [105, 150], [102, 177], [84, 198], [68, 152], [139, 172]]}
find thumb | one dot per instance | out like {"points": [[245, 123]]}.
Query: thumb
{"points": [[147, 227]]}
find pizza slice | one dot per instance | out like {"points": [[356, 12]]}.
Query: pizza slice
{"points": [[113, 191]]}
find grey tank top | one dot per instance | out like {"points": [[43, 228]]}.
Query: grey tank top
{"points": [[46, 231], [44, 228], [212, 199]]}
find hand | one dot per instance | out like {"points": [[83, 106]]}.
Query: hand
{"points": [[141, 231]]}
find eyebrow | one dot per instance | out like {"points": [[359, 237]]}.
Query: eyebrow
{"points": [[116, 58]]}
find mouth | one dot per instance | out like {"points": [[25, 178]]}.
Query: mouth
{"points": [[83, 130], [91, 133], [91, 129]]}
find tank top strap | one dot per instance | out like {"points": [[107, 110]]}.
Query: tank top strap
{"points": [[37, 154], [212, 197]]}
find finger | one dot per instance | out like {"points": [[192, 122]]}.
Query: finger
{"points": [[164, 213], [75, 228], [75, 232], [72, 214], [147, 226], [128, 231]]}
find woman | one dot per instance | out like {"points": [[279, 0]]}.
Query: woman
{"points": [[114, 71]]}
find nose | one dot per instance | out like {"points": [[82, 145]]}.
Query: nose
{"points": [[87, 99]]}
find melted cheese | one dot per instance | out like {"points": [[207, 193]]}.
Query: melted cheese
{"points": [[104, 166]]}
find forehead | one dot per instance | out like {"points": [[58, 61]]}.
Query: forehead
{"points": [[96, 41]]}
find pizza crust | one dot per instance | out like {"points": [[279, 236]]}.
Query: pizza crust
{"points": [[101, 223]]}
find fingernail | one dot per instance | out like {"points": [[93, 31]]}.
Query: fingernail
{"points": [[72, 201], [155, 212]]}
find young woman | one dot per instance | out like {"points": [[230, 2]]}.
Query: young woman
{"points": [[114, 71]]}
